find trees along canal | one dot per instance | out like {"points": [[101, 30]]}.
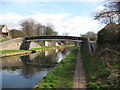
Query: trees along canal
{"points": [[31, 28]]}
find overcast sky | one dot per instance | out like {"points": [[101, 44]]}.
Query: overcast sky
{"points": [[71, 16]]}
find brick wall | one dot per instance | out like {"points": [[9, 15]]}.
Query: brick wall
{"points": [[15, 44]]}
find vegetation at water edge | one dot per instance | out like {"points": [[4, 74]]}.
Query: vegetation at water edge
{"points": [[62, 75]]}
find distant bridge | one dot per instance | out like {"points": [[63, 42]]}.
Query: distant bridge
{"points": [[85, 42], [56, 38]]}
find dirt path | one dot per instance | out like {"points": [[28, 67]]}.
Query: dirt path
{"points": [[79, 79]]}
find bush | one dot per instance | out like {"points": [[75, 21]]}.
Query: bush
{"points": [[15, 33], [107, 36], [101, 37], [101, 69]]}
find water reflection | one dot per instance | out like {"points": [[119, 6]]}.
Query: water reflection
{"points": [[28, 70]]}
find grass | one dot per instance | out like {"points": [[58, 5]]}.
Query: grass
{"points": [[11, 51], [90, 66], [62, 75], [47, 47], [5, 39], [44, 47], [101, 69]]}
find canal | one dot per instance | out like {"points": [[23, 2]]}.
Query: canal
{"points": [[25, 71]]}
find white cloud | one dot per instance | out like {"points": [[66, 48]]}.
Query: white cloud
{"points": [[80, 25], [11, 19], [53, 0], [74, 25], [101, 8]]}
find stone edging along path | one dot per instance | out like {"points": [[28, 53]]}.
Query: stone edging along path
{"points": [[79, 78]]}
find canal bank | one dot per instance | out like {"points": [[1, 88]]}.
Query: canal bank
{"points": [[6, 53], [102, 69], [62, 75]]}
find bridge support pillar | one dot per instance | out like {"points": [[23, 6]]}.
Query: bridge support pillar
{"points": [[77, 44], [25, 45], [85, 46]]}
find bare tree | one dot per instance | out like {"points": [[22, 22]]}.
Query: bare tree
{"points": [[110, 14], [27, 27], [31, 28], [49, 30], [39, 29]]}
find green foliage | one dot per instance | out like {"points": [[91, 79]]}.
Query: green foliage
{"points": [[101, 68], [101, 37], [62, 75], [97, 85], [108, 35]]}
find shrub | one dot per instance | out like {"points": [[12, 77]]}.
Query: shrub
{"points": [[15, 33], [107, 36]]}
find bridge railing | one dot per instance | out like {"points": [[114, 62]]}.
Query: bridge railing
{"points": [[54, 37]]}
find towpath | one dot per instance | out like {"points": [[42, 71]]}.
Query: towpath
{"points": [[79, 78]]}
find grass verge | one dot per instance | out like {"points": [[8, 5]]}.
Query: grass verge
{"points": [[11, 51], [5, 53], [101, 69], [47, 47], [62, 75], [5, 39]]}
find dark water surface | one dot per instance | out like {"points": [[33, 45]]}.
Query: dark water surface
{"points": [[26, 71]]}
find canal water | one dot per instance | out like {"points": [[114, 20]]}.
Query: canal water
{"points": [[26, 71]]}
